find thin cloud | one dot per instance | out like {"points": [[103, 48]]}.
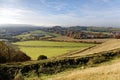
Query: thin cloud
{"points": [[49, 13]]}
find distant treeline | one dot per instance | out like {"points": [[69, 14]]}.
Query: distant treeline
{"points": [[79, 32], [9, 32]]}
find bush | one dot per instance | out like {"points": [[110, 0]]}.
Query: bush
{"points": [[10, 53], [97, 59], [42, 57]]}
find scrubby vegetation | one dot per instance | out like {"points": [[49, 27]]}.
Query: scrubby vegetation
{"points": [[60, 64], [105, 71], [10, 53]]}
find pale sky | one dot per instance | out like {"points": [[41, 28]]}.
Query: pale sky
{"points": [[61, 12]]}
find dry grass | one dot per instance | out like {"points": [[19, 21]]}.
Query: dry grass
{"points": [[106, 46], [106, 72]]}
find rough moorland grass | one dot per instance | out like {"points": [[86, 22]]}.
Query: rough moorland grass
{"points": [[105, 72], [49, 48]]}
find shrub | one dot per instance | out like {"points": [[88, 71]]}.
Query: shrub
{"points": [[42, 57], [97, 60], [10, 53]]}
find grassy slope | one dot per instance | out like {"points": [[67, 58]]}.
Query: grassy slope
{"points": [[49, 48], [27, 35], [109, 72], [108, 45], [106, 71], [10, 53]]}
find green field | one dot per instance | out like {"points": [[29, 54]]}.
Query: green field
{"points": [[49, 48], [26, 35]]}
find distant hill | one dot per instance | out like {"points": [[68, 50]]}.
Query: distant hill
{"points": [[10, 30], [77, 32], [10, 53], [36, 35], [85, 32]]}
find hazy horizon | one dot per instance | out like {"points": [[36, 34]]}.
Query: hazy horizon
{"points": [[102, 13], [30, 25]]}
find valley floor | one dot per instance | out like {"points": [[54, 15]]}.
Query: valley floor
{"points": [[49, 48]]}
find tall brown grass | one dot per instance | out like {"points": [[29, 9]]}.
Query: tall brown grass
{"points": [[109, 72]]}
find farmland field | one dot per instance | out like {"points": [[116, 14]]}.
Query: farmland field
{"points": [[49, 48], [27, 35]]}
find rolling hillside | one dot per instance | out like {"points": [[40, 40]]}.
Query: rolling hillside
{"points": [[106, 46], [105, 71], [53, 66], [108, 71], [9, 53], [36, 35], [49, 48]]}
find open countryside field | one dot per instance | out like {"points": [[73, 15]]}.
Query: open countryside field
{"points": [[49, 48], [27, 35]]}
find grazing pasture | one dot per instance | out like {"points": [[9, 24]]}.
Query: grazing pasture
{"points": [[28, 35], [49, 48]]}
